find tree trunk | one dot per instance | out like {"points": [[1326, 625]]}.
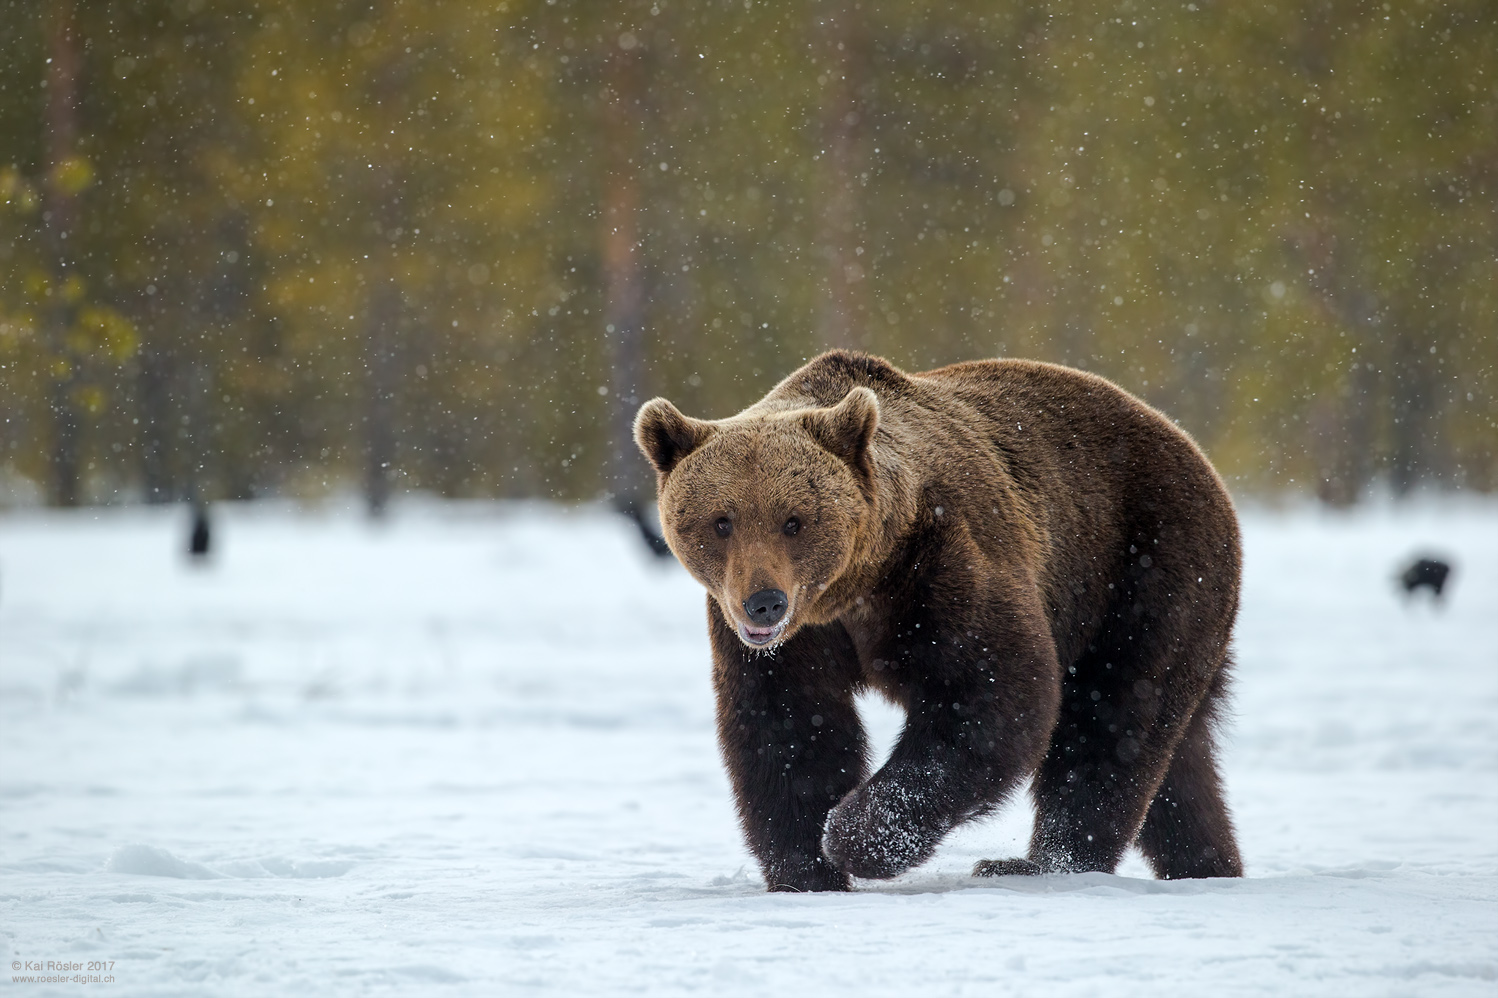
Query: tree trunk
{"points": [[380, 344], [1342, 427], [1419, 388], [1414, 429], [198, 429], [1345, 428], [623, 276], [58, 218], [842, 157], [154, 380]]}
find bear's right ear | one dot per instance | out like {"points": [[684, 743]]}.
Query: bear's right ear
{"points": [[846, 430], [665, 436]]}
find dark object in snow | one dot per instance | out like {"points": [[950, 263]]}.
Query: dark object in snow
{"points": [[198, 545], [1040, 569], [1425, 573], [648, 533]]}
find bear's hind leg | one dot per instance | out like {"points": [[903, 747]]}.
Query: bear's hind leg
{"points": [[1108, 754], [1187, 831], [1089, 802]]}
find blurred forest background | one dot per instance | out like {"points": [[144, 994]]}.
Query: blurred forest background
{"points": [[287, 247]]}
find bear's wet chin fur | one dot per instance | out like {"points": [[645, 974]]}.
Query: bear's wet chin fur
{"points": [[1039, 568]]}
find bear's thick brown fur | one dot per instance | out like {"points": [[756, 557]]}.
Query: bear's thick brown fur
{"points": [[1040, 569]]}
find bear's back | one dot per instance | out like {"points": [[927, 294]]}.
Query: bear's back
{"points": [[1084, 424], [1054, 429], [998, 389], [1103, 473], [1003, 388]]}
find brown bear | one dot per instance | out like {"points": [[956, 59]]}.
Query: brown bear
{"points": [[1040, 569]]}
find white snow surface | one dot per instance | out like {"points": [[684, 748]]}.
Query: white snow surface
{"points": [[470, 750]]}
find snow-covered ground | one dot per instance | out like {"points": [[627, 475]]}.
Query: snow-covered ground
{"points": [[470, 751]]}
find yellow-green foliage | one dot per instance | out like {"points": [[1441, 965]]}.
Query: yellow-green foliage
{"points": [[1277, 222]]}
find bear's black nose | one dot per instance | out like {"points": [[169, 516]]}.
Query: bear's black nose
{"points": [[766, 607]]}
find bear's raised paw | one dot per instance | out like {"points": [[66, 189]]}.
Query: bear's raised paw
{"points": [[881, 830]]}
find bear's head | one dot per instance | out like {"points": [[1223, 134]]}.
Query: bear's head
{"points": [[767, 508]]}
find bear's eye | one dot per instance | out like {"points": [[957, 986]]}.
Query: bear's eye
{"points": [[724, 526], [792, 527]]}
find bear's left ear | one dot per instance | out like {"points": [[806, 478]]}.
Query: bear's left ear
{"points": [[846, 429], [665, 436]]}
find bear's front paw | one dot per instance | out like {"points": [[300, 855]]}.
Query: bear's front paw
{"points": [[876, 833]]}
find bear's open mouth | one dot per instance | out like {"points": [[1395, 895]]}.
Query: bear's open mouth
{"points": [[761, 636]]}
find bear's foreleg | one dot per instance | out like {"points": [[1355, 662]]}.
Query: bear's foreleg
{"points": [[793, 745], [1134, 704], [939, 775], [979, 710]]}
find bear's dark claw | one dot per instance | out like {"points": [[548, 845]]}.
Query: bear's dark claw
{"points": [[1015, 867]]}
